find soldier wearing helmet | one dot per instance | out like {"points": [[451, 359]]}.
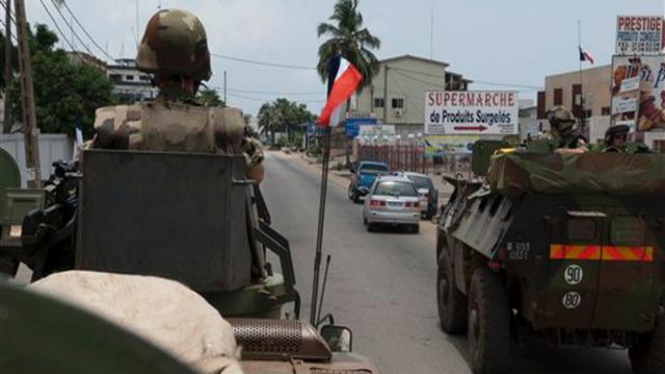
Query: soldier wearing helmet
{"points": [[174, 49], [563, 127], [615, 138]]}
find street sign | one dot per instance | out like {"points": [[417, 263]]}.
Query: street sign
{"points": [[352, 125], [471, 112], [639, 35]]}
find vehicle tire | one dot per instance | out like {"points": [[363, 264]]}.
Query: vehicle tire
{"points": [[349, 192], [647, 357], [450, 302], [370, 226], [365, 221], [415, 228], [488, 323], [355, 197]]}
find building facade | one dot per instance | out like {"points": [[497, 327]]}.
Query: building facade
{"points": [[396, 95], [129, 83], [566, 89]]}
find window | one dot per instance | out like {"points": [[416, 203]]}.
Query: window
{"points": [[606, 111], [115, 77], [144, 77], [558, 96], [378, 102], [398, 103], [395, 189], [129, 77]]}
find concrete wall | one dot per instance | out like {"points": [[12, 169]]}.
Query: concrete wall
{"points": [[52, 147], [596, 84]]}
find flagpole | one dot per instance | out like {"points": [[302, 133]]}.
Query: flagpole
{"points": [[579, 48], [333, 65]]}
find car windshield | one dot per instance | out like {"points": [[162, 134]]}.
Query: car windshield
{"points": [[421, 182], [373, 168], [395, 188]]}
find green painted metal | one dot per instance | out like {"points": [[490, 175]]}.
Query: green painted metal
{"points": [[10, 176]]}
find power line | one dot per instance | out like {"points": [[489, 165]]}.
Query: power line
{"points": [[86, 31], [11, 15], [268, 101], [70, 27], [57, 27], [312, 93], [474, 80], [262, 63]]}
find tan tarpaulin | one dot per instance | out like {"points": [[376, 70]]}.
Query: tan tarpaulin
{"points": [[592, 172]]}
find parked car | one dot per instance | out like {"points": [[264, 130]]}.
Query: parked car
{"points": [[392, 200], [363, 176], [429, 196]]}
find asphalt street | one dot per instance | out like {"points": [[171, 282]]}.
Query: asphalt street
{"points": [[382, 284]]}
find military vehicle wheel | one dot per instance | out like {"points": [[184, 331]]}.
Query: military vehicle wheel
{"points": [[489, 323], [450, 301], [646, 357]]}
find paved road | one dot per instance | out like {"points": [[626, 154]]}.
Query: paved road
{"points": [[382, 285]]}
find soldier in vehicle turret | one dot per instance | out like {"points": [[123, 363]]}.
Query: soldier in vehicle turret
{"points": [[564, 130], [615, 138], [174, 50]]}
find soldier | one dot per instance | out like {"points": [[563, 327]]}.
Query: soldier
{"points": [[615, 138], [174, 50], [563, 127]]}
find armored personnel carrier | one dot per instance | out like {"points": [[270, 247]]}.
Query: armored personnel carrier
{"points": [[564, 246], [191, 217]]}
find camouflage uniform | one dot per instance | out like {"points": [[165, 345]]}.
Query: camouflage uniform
{"points": [[174, 49], [564, 130]]}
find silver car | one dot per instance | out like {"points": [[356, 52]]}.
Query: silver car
{"points": [[392, 200]]}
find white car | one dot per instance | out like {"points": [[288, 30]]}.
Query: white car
{"points": [[392, 200]]}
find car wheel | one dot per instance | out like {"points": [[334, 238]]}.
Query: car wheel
{"points": [[370, 226], [365, 221], [488, 323], [355, 197], [451, 302], [646, 357], [415, 228], [350, 192]]}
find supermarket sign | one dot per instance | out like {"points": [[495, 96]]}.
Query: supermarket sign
{"points": [[471, 112]]}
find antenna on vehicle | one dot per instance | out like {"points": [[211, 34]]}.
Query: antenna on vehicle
{"points": [[323, 291]]}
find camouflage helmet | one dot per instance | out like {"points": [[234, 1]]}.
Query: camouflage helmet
{"points": [[616, 131], [175, 43], [562, 121]]}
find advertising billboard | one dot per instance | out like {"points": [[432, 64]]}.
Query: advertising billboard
{"points": [[639, 35], [471, 112], [638, 92], [445, 144]]}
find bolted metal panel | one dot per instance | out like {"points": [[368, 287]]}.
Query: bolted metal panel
{"points": [[175, 215]]}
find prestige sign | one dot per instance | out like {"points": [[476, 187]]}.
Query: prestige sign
{"points": [[471, 112], [639, 35]]}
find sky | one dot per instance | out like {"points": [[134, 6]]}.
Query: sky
{"points": [[501, 41]]}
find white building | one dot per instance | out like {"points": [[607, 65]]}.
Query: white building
{"points": [[130, 83], [396, 95]]}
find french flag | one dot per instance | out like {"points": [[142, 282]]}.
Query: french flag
{"points": [[586, 56], [343, 80]]}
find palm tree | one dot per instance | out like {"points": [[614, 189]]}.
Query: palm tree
{"points": [[210, 97], [350, 39]]}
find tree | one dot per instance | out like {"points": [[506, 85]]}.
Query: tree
{"points": [[283, 115], [66, 89], [350, 39], [210, 97]]}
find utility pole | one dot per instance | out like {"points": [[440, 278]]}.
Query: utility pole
{"points": [[385, 94], [27, 98], [8, 66], [225, 87]]}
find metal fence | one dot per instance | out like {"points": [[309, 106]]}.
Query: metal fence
{"points": [[416, 159]]}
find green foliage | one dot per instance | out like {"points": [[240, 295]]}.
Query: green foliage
{"points": [[14, 60], [66, 89], [283, 115], [210, 97], [348, 37]]}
